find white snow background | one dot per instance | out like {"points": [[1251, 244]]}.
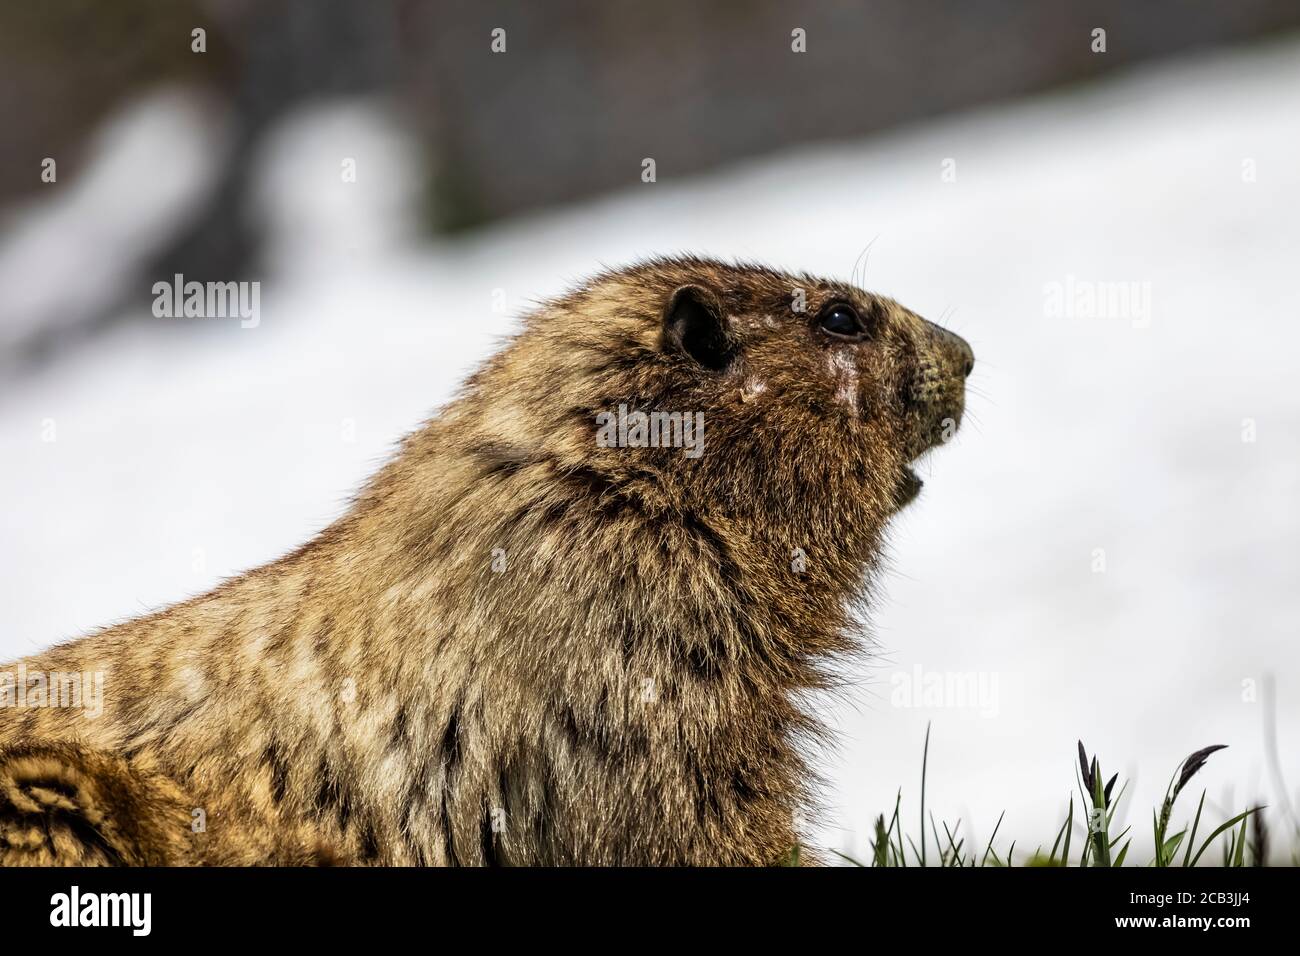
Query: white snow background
{"points": [[181, 457]]}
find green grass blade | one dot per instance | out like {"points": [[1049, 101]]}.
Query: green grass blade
{"points": [[989, 848], [1057, 842], [925, 759], [1240, 858], [1220, 829], [1191, 839], [1119, 860], [1069, 833]]}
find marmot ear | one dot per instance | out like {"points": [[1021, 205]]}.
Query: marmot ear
{"points": [[694, 325]]}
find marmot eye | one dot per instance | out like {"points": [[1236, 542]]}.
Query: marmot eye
{"points": [[841, 320]]}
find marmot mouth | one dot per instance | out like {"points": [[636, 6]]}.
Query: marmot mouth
{"points": [[909, 486]]}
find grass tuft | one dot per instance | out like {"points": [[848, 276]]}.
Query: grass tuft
{"points": [[1243, 838]]}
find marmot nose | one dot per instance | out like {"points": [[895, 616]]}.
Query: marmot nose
{"points": [[963, 356], [967, 356]]}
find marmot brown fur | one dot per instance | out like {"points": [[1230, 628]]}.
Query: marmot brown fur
{"points": [[550, 630]]}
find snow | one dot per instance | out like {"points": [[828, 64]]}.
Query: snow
{"points": [[147, 168], [179, 459]]}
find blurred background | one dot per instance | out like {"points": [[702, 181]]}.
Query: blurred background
{"points": [[1101, 197]]}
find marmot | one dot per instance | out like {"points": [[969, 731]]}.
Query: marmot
{"points": [[569, 623]]}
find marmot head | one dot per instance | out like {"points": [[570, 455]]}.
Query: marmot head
{"points": [[733, 389]]}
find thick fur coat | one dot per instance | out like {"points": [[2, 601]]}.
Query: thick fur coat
{"points": [[524, 645]]}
